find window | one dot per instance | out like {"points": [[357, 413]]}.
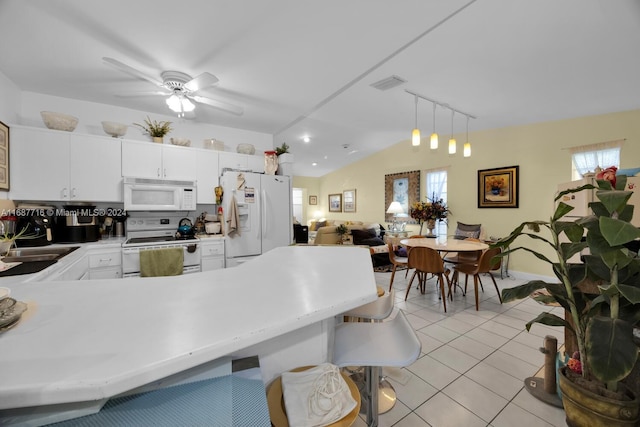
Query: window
{"points": [[587, 158], [436, 187]]}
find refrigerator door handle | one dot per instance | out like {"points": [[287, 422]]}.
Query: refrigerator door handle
{"points": [[264, 213]]}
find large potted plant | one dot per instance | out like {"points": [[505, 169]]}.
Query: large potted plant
{"points": [[600, 294]]}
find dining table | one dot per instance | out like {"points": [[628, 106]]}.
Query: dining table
{"points": [[444, 245]]}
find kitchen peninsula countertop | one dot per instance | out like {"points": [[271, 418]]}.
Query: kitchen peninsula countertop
{"points": [[91, 340]]}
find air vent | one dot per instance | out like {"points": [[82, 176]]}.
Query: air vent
{"points": [[388, 83]]}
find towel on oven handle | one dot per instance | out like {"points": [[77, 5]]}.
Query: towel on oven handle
{"points": [[161, 262]]}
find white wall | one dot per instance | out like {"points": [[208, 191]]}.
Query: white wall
{"points": [[91, 115]]}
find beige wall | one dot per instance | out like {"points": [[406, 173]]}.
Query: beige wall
{"points": [[539, 150]]}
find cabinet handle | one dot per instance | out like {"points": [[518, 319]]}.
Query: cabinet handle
{"points": [[105, 260], [64, 193], [158, 172], [165, 172], [73, 193]]}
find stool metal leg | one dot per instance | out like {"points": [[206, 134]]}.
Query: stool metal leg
{"points": [[371, 393]]}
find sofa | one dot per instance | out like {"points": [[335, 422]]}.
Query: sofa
{"points": [[324, 232], [360, 233]]}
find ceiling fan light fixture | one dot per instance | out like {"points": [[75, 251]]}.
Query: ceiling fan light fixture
{"points": [[180, 104]]}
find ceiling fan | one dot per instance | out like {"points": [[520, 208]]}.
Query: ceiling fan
{"points": [[179, 88]]}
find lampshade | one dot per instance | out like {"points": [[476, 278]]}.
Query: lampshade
{"points": [[466, 150], [415, 134], [180, 104], [395, 208], [452, 146], [415, 137]]}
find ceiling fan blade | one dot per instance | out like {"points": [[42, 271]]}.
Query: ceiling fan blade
{"points": [[129, 70], [203, 80], [150, 93], [233, 109]]}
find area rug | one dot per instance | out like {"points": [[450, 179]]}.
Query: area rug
{"points": [[387, 268]]}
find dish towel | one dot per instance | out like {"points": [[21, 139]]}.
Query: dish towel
{"points": [[234, 220], [316, 397], [161, 262]]}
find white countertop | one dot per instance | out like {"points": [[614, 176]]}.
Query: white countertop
{"points": [[88, 340]]}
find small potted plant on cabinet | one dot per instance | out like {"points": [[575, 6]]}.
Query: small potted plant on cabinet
{"points": [[601, 298], [285, 159], [156, 130]]}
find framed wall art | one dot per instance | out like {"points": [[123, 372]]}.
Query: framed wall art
{"points": [[313, 200], [4, 157], [403, 187], [335, 202], [349, 200], [498, 187]]}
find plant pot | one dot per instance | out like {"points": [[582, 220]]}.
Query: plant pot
{"points": [[158, 139], [585, 408]]}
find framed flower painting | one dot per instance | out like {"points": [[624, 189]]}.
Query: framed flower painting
{"points": [[498, 187]]}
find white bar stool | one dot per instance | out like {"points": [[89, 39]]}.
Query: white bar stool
{"points": [[374, 345]]}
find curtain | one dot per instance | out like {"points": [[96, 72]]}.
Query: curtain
{"points": [[437, 184], [587, 158]]}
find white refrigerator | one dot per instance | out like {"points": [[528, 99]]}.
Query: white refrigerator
{"points": [[580, 201], [264, 214]]}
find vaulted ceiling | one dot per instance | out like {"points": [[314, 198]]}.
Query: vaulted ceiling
{"points": [[305, 68]]}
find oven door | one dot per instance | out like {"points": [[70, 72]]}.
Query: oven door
{"points": [[131, 258]]}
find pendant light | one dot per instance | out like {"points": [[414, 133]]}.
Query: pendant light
{"points": [[466, 151], [415, 135], [434, 135], [452, 141]]}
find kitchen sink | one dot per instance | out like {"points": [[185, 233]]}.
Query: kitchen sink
{"points": [[37, 254]]}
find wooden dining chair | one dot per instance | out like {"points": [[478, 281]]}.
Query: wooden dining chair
{"points": [[427, 261], [484, 265], [397, 261], [456, 258]]}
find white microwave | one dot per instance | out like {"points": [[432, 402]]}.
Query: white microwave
{"points": [[143, 194]]}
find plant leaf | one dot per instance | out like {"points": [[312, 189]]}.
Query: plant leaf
{"points": [[630, 293], [618, 232], [522, 291], [549, 320], [572, 230], [561, 211], [610, 359], [573, 190], [613, 200], [570, 249]]}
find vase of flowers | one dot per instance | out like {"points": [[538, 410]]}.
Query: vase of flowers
{"points": [[434, 209]]}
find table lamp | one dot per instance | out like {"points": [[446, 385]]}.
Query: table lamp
{"points": [[395, 208]]}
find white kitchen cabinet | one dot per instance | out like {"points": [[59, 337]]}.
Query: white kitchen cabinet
{"points": [[59, 166], [39, 164], [159, 161], [95, 168], [78, 270], [207, 176], [105, 263], [212, 253]]}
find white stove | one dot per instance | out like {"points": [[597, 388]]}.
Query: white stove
{"points": [[157, 230]]}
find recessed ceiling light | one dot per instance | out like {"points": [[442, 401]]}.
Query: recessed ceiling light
{"points": [[306, 139], [314, 164]]}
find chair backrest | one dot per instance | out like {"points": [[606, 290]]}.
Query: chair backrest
{"points": [[416, 236], [485, 265], [426, 259]]}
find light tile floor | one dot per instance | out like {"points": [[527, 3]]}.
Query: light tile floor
{"points": [[473, 364]]}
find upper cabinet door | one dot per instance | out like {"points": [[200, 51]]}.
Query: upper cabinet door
{"points": [[178, 163], [232, 161], [39, 164], [141, 159], [95, 169]]}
